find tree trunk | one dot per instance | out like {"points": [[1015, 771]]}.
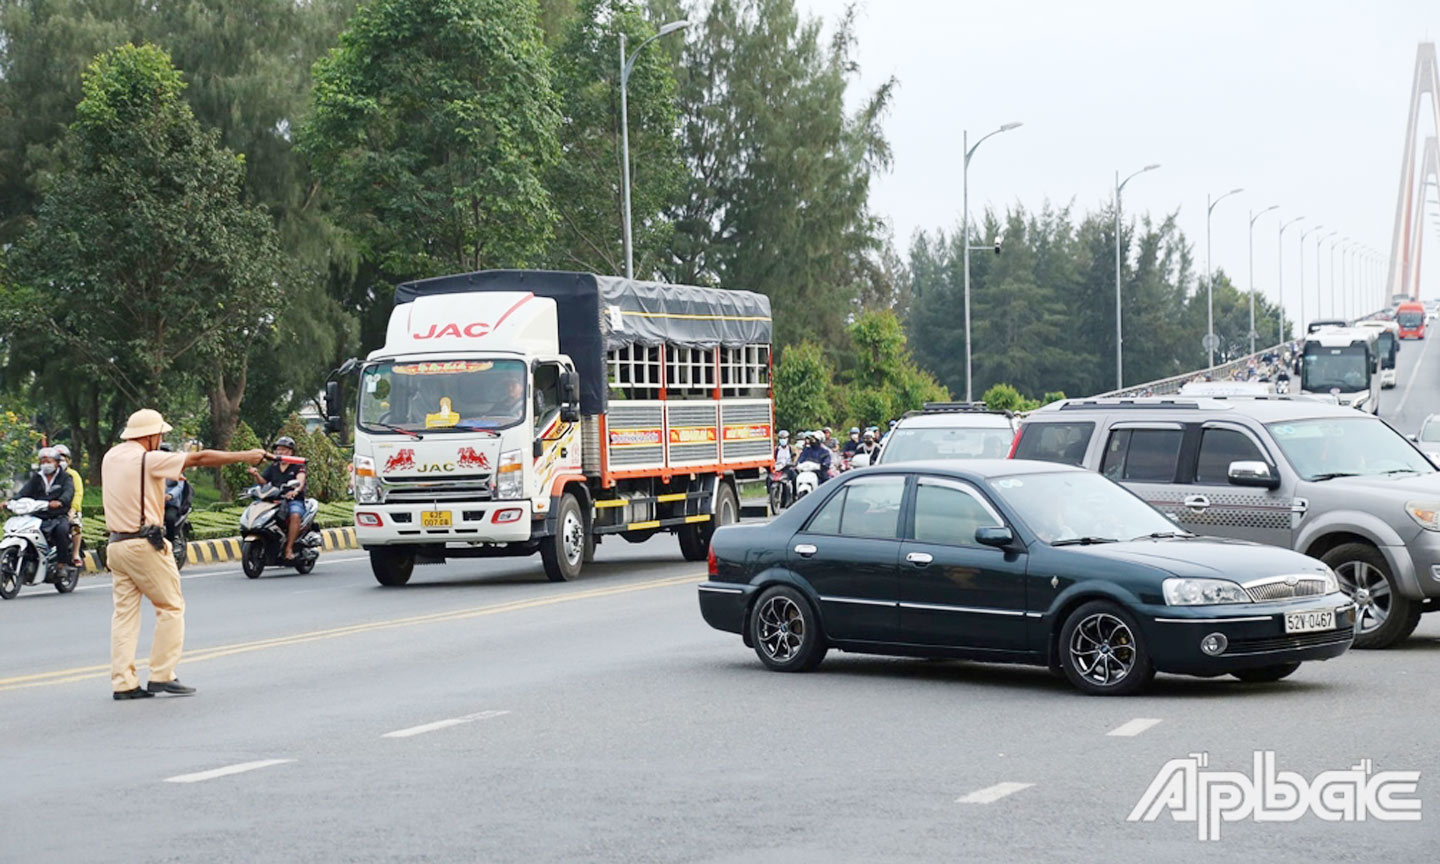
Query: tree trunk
{"points": [[94, 449], [225, 413]]}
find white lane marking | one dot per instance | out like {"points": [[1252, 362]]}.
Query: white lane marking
{"points": [[991, 794], [442, 724], [1415, 373], [227, 569], [226, 771], [1131, 728]]}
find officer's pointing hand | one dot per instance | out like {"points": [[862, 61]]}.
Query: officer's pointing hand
{"points": [[255, 457]]}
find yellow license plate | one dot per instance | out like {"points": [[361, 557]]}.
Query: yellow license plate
{"points": [[438, 519]]}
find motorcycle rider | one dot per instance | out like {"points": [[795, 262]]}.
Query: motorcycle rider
{"points": [[868, 446], [53, 485], [278, 474], [179, 492], [76, 557], [851, 444], [815, 451], [784, 458]]}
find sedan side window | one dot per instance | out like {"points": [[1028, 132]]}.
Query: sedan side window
{"points": [[1220, 447], [950, 513], [866, 507]]}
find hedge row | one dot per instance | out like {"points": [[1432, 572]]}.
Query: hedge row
{"points": [[214, 524]]}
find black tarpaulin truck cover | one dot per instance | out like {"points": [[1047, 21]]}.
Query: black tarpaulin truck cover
{"points": [[596, 313]]}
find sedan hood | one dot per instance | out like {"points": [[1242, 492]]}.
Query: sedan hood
{"points": [[1208, 557]]}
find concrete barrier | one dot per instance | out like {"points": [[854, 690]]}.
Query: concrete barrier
{"points": [[227, 549]]}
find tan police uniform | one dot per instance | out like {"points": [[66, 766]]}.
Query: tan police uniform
{"points": [[138, 568]]}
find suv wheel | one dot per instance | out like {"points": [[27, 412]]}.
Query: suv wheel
{"points": [[1384, 616]]}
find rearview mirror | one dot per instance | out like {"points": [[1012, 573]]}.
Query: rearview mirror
{"points": [[569, 387], [997, 536], [332, 407], [1253, 473]]}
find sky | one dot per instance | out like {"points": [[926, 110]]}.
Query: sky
{"points": [[1303, 104]]}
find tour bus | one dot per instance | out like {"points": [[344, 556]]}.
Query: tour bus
{"points": [[1345, 363], [1387, 345], [1411, 318]]}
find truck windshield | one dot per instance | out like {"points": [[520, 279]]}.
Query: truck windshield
{"points": [[1345, 368], [1345, 446], [441, 395]]}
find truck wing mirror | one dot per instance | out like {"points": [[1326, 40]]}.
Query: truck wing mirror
{"points": [[332, 407], [569, 396]]}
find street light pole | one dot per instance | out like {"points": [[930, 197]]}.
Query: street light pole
{"points": [[626, 67], [1119, 354], [1280, 259], [1210, 273], [1253, 217], [965, 235], [1318, 287], [1303, 235]]}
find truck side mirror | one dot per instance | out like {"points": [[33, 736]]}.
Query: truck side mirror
{"points": [[332, 407], [569, 396]]}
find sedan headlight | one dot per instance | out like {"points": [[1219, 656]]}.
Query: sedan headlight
{"points": [[1425, 513], [510, 478], [1203, 592], [1332, 581]]}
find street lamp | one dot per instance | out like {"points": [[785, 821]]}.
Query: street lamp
{"points": [[626, 67], [1319, 295], [1120, 187], [1253, 217], [1280, 258], [965, 233], [1303, 235], [1210, 273]]}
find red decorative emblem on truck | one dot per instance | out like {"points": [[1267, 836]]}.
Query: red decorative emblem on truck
{"points": [[468, 458], [403, 460]]}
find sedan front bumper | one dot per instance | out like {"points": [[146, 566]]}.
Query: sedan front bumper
{"points": [[1254, 633]]}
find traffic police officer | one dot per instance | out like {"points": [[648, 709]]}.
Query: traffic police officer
{"points": [[134, 474]]}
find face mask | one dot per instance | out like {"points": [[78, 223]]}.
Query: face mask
{"points": [[64, 463], [47, 469]]}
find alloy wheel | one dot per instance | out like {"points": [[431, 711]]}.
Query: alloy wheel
{"points": [[782, 628], [1103, 649], [1370, 590]]}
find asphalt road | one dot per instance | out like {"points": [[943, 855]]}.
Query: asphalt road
{"points": [[1417, 391], [484, 714]]}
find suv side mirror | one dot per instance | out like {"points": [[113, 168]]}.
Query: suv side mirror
{"points": [[1248, 473], [999, 536], [332, 407]]}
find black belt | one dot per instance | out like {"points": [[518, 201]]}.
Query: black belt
{"points": [[117, 537]]}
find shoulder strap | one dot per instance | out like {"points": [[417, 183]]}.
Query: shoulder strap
{"points": [[142, 487]]}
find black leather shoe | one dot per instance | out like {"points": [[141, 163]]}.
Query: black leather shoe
{"points": [[170, 688], [137, 693]]}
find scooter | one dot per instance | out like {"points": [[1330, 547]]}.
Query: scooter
{"points": [[782, 490], [26, 555], [807, 478], [177, 518], [264, 531]]}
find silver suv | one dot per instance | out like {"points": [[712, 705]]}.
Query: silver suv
{"points": [[1332, 482], [949, 430]]}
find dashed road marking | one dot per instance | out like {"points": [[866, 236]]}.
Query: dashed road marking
{"points": [[1131, 728], [442, 724], [213, 773], [991, 794]]}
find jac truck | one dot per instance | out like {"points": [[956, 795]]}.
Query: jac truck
{"points": [[522, 412]]}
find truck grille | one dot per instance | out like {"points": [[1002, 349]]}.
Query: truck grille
{"points": [[459, 487], [1277, 588]]}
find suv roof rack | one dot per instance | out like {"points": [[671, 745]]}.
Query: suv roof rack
{"points": [[955, 407], [1138, 402]]}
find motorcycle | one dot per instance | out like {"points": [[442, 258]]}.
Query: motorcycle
{"points": [[26, 555], [782, 490], [264, 529], [807, 478], [177, 519]]}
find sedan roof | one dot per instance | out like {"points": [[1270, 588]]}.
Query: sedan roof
{"points": [[978, 470]]}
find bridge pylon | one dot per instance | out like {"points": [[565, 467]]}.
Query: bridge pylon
{"points": [[1407, 240]]}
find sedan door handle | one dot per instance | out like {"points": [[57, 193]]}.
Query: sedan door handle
{"points": [[919, 559], [805, 550], [1197, 502]]}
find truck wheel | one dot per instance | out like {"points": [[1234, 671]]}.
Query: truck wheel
{"points": [[392, 567], [1384, 616], [564, 553], [695, 539]]}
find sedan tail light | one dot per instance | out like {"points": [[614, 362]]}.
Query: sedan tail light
{"points": [[710, 566]]}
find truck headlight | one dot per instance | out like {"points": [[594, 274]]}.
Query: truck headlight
{"points": [[510, 476], [1203, 592], [368, 490], [1425, 513]]}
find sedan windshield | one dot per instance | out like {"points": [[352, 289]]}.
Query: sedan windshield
{"points": [[435, 396], [908, 445], [1079, 506], [1345, 447]]}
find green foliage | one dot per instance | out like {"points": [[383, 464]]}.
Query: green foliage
{"points": [[328, 474], [433, 127], [1003, 397], [883, 381], [235, 477], [802, 388], [143, 265], [293, 427], [18, 440], [584, 184], [1052, 396]]}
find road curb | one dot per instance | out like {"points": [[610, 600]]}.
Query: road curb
{"points": [[225, 550]]}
